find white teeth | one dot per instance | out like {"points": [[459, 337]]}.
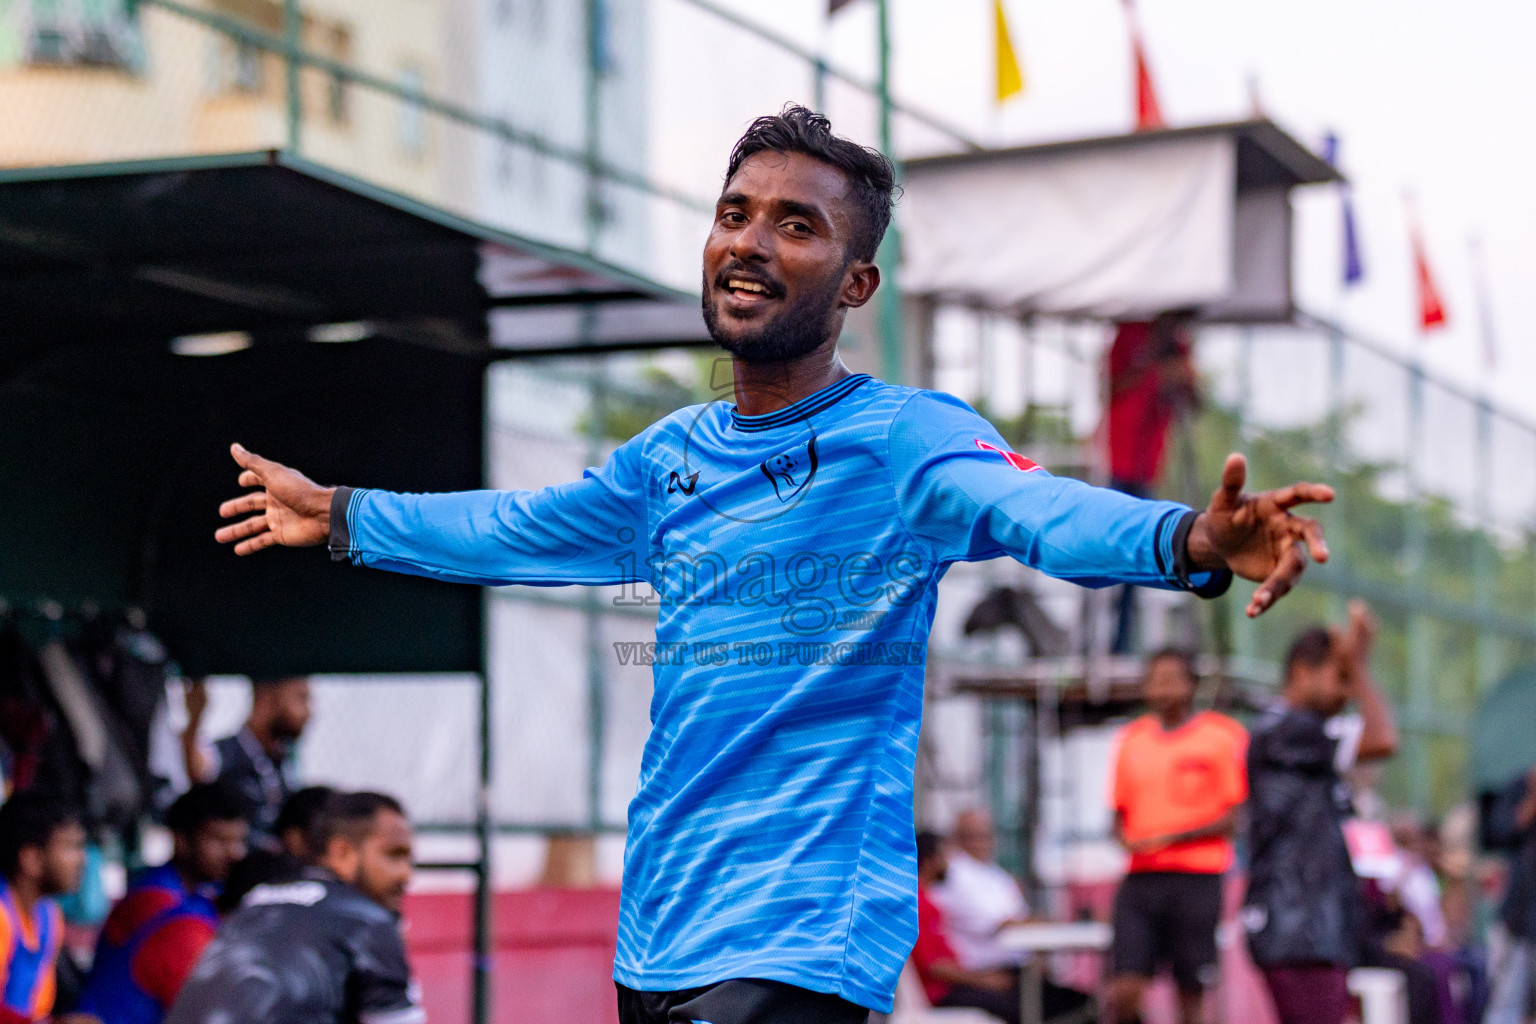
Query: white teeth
{"points": [[746, 286]]}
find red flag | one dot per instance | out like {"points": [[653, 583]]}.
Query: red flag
{"points": [[1148, 113], [1431, 309]]}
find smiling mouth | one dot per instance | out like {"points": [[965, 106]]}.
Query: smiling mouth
{"points": [[745, 289]]}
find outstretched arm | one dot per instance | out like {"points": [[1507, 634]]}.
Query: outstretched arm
{"points": [[592, 530], [1354, 643], [1257, 536], [961, 490]]}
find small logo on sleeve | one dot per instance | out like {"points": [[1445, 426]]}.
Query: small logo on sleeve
{"points": [[1013, 459], [677, 482]]}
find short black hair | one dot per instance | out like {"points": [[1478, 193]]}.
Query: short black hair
{"points": [[205, 802], [299, 810], [871, 177], [30, 819], [1178, 654], [350, 816], [929, 844], [1312, 648]]}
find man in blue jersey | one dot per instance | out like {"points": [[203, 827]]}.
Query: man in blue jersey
{"points": [[795, 538]]}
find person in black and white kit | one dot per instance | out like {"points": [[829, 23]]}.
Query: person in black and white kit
{"points": [[324, 948], [1304, 911], [257, 760]]}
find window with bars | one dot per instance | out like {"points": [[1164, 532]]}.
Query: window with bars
{"points": [[82, 33]]}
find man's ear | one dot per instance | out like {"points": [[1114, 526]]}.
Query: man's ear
{"points": [[342, 859], [859, 283], [29, 859]]}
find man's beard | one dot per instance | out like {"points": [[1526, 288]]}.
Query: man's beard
{"points": [[794, 331], [285, 733]]}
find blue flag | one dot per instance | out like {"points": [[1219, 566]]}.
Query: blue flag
{"points": [[1354, 270]]}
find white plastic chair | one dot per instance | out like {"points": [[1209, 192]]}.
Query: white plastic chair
{"points": [[1383, 995]]}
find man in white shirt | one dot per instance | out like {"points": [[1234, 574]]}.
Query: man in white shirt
{"points": [[978, 897]]}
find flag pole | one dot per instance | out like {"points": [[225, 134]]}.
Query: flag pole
{"points": [[1484, 301], [889, 299]]}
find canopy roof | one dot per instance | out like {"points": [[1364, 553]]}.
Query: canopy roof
{"points": [[268, 241], [114, 448], [1266, 154], [1503, 747], [1118, 227]]}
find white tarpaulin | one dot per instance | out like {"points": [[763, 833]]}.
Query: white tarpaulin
{"points": [[1101, 231]]}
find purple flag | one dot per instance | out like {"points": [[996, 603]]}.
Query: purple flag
{"points": [[1354, 270]]}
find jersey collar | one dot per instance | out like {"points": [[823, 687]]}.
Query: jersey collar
{"points": [[807, 407]]}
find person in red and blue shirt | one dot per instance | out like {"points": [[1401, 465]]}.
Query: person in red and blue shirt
{"points": [[42, 854], [154, 935], [945, 982]]}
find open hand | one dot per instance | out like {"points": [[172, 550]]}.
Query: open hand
{"points": [[1355, 640], [290, 509], [1256, 536]]}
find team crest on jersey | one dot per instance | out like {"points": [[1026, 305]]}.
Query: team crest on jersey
{"points": [[791, 471], [1013, 459]]}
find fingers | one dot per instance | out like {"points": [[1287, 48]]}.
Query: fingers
{"points": [[1301, 494], [1311, 532], [1279, 582], [1361, 614], [252, 463], [1233, 475], [256, 501], [255, 544], [241, 530]]}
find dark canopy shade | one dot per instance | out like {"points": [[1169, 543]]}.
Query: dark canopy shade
{"points": [[113, 449], [1503, 744]]}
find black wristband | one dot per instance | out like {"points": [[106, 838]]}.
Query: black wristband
{"points": [[1217, 585], [341, 537]]}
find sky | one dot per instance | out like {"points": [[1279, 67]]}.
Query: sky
{"points": [[1434, 102]]}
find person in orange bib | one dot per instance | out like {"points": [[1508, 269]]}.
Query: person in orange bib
{"points": [[42, 853], [1179, 780]]}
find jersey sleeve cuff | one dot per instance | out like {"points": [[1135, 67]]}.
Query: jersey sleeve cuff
{"points": [[1205, 583], [342, 505]]}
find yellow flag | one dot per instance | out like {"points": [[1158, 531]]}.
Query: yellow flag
{"points": [[1010, 77]]}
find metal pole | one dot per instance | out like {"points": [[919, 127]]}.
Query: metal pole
{"points": [[1420, 652], [596, 726], [1336, 438], [1482, 568], [485, 828], [293, 30], [596, 43], [484, 831], [1242, 629], [888, 296]]}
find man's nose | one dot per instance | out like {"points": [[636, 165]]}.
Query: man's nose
{"points": [[753, 243]]}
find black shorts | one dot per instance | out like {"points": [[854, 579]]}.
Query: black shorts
{"points": [[739, 1001], [1167, 917]]}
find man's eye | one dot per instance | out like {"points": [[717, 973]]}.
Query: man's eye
{"points": [[797, 227], [732, 217]]}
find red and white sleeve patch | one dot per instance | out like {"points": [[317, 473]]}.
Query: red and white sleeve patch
{"points": [[1013, 459]]}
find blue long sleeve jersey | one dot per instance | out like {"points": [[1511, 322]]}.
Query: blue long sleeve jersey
{"points": [[796, 557]]}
